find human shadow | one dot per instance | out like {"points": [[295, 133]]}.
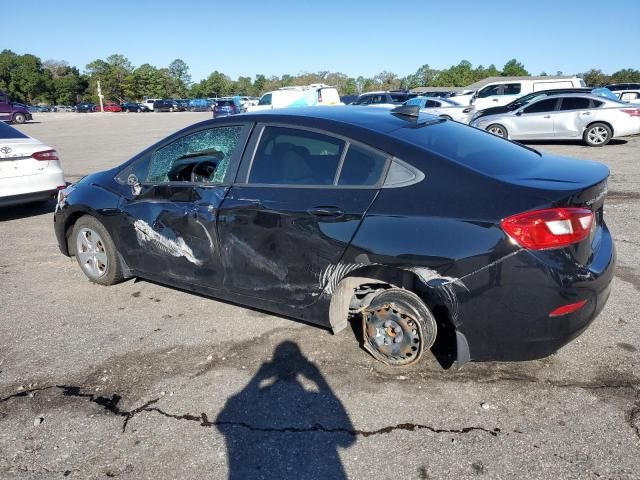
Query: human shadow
{"points": [[286, 423]]}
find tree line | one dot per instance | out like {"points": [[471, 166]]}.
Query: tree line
{"points": [[30, 80]]}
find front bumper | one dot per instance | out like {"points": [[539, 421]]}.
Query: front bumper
{"points": [[503, 310]]}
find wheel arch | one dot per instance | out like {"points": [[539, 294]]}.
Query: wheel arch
{"points": [[450, 344], [608, 124]]}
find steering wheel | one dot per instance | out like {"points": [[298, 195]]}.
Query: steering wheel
{"points": [[202, 172]]}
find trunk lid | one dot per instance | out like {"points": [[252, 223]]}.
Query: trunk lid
{"points": [[16, 160]]}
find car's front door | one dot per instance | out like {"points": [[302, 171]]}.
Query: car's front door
{"points": [[534, 121], [298, 200], [573, 115], [168, 227]]}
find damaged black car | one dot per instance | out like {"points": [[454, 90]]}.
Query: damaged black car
{"points": [[430, 234]]}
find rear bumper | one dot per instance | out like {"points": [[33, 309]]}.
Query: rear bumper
{"points": [[504, 311], [6, 201]]}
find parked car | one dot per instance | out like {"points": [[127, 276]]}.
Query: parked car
{"points": [[511, 264], [524, 100], [226, 107], [620, 87], [504, 91], [443, 107], [167, 106], [86, 107], [11, 111], [109, 107], [304, 96], [149, 102], [184, 104], [144, 107], [64, 108], [199, 105], [593, 118], [383, 99], [629, 96], [348, 99], [29, 169], [131, 107]]}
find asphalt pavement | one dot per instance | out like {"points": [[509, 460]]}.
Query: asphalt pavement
{"points": [[141, 380]]}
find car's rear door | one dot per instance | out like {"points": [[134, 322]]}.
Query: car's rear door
{"points": [[298, 200], [168, 226], [573, 115]]}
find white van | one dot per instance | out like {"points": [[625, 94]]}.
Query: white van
{"points": [[311, 95], [149, 102], [501, 92]]}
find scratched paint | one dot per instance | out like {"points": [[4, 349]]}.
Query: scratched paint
{"points": [[177, 247], [332, 274]]}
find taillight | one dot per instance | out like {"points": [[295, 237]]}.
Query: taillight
{"points": [[567, 309], [634, 112], [46, 155], [549, 228], [319, 96]]}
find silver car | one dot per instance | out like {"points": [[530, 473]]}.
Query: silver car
{"points": [[593, 118], [443, 107]]}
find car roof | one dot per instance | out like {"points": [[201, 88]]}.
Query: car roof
{"points": [[375, 119], [576, 95]]}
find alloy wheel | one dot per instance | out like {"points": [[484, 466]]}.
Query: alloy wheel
{"points": [[91, 253], [598, 135]]}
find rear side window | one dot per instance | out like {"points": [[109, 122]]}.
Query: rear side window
{"points": [[362, 167], [287, 156], [379, 99], [575, 103], [9, 132], [201, 157], [432, 104], [542, 106], [398, 97]]}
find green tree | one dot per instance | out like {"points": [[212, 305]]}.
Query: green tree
{"points": [[513, 68], [115, 75], [243, 86], [626, 75], [259, 85], [423, 77], [595, 78], [180, 77], [27, 78], [456, 76]]}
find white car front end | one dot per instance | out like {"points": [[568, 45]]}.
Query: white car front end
{"points": [[29, 170]]}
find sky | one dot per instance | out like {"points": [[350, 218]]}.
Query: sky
{"points": [[249, 37]]}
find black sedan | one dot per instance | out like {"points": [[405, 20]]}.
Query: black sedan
{"points": [[131, 107], [431, 234]]}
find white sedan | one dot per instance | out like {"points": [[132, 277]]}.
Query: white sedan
{"points": [[29, 170], [593, 118], [443, 107]]}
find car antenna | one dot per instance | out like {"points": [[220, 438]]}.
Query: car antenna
{"points": [[411, 111]]}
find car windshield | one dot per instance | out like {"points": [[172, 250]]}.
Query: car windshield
{"points": [[7, 132], [225, 103]]}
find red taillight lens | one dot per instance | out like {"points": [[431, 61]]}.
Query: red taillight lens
{"points": [[550, 228], [567, 309], [46, 155], [634, 112]]}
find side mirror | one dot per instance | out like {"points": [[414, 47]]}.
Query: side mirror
{"points": [[134, 183], [518, 113]]}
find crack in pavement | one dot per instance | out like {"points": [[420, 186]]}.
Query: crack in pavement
{"points": [[111, 405], [633, 416], [411, 427]]}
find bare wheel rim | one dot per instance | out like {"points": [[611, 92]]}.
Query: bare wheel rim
{"points": [[91, 253], [394, 333], [598, 135], [496, 130]]}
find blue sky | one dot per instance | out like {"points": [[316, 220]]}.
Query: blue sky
{"points": [[353, 37]]}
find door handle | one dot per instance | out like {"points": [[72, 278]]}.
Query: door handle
{"points": [[495, 99], [325, 212], [547, 116], [586, 113]]}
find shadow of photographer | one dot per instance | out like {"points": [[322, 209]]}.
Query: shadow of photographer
{"points": [[286, 423]]}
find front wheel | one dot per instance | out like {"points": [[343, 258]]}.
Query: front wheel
{"points": [[398, 327], [19, 118], [171, 109], [597, 135], [96, 253], [497, 130]]}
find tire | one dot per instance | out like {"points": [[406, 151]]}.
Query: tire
{"points": [[498, 130], [95, 252], [597, 135], [126, 110], [398, 327], [171, 109], [19, 118]]}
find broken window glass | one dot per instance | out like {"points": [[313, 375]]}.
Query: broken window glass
{"points": [[202, 157]]}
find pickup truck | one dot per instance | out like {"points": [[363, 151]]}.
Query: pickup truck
{"points": [[13, 111]]}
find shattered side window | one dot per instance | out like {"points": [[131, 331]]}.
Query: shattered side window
{"points": [[202, 157]]}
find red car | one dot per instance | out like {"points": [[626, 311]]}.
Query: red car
{"points": [[109, 107]]}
